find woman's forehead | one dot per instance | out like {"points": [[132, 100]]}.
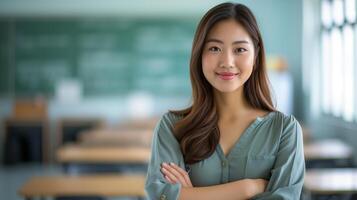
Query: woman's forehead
{"points": [[228, 31]]}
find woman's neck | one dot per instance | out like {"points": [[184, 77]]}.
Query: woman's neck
{"points": [[231, 105]]}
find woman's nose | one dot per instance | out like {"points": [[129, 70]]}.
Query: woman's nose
{"points": [[227, 59]]}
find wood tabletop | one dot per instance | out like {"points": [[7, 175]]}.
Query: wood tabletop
{"points": [[103, 154], [327, 149], [88, 185], [331, 181], [115, 137]]}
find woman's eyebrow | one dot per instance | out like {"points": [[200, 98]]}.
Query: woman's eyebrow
{"points": [[221, 42]]}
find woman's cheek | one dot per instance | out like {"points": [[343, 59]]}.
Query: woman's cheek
{"points": [[245, 63], [209, 62]]}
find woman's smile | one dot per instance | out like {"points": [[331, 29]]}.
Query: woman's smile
{"points": [[226, 75]]}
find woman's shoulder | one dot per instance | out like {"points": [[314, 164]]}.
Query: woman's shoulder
{"points": [[283, 118], [171, 117], [167, 123], [287, 122]]}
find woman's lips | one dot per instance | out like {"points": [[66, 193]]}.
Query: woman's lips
{"points": [[226, 75]]}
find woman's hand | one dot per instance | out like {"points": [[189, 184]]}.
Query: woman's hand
{"points": [[174, 174]]}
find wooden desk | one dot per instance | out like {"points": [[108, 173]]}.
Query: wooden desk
{"points": [[80, 158], [69, 128], [332, 152], [30, 108], [89, 185], [140, 123], [342, 181], [116, 137], [103, 154], [327, 149]]}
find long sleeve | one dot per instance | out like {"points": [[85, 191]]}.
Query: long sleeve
{"points": [[287, 175], [165, 148]]}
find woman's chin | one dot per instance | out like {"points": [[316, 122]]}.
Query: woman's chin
{"points": [[227, 89]]}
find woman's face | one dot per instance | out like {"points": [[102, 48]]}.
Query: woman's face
{"points": [[228, 56]]}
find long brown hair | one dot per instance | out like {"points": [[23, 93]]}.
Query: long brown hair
{"points": [[197, 131]]}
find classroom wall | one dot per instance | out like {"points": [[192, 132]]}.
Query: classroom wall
{"points": [[280, 22], [321, 126], [281, 26]]}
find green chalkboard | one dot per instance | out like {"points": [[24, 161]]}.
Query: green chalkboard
{"points": [[107, 56], [4, 57]]}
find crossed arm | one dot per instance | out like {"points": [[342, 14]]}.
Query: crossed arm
{"points": [[285, 182], [242, 189]]}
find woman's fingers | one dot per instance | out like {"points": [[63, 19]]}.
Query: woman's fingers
{"points": [[173, 174], [170, 177], [183, 173], [170, 180]]}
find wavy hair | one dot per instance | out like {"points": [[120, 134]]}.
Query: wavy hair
{"points": [[197, 131]]}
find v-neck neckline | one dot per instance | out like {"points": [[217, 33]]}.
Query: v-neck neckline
{"points": [[244, 134]]}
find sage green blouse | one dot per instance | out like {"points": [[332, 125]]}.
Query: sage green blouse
{"points": [[270, 148]]}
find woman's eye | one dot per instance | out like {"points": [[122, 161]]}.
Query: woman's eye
{"points": [[214, 49], [240, 50]]}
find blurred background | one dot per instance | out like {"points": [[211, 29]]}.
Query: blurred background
{"points": [[83, 83]]}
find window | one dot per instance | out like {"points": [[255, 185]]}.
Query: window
{"points": [[338, 50]]}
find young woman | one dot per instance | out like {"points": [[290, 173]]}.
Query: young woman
{"points": [[231, 143]]}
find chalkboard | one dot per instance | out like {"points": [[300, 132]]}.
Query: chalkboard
{"points": [[4, 57], [108, 56]]}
